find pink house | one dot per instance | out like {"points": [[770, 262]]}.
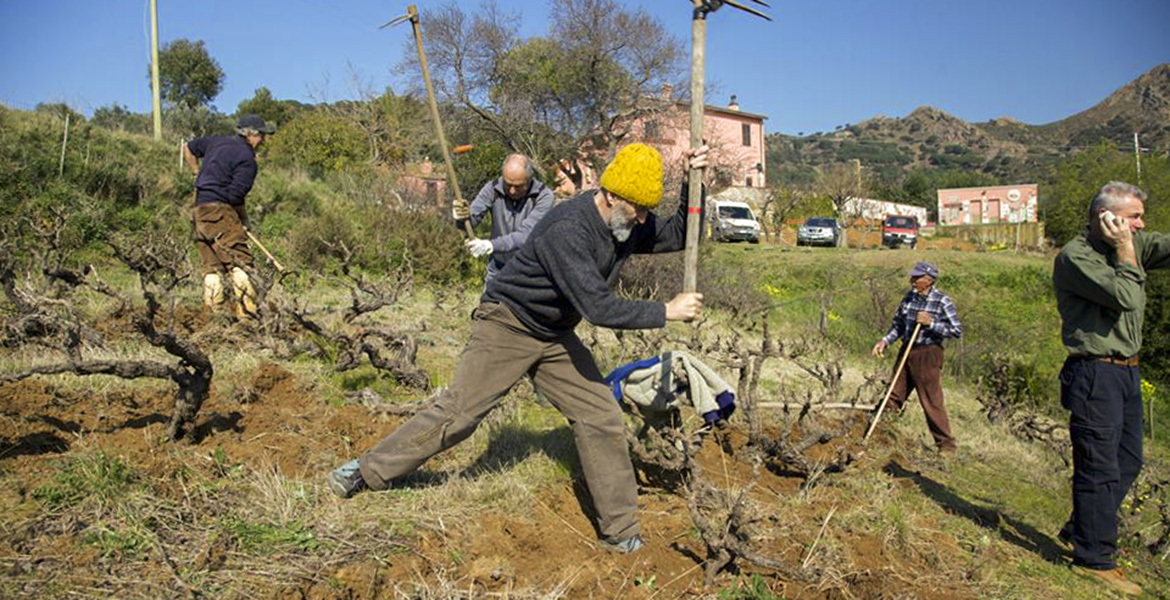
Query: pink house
{"points": [[736, 139], [988, 205]]}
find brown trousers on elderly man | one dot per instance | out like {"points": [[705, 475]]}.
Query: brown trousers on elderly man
{"points": [[501, 350], [220, 237], [923, 372]]}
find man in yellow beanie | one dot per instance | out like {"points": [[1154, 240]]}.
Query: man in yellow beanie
{"points": [[525, 324]]}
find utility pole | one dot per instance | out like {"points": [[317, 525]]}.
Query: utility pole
{"points": [[154, 83], [1137, 158]]}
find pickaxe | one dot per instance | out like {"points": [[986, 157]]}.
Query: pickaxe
{"points": [[698, 55], [412, 16]]}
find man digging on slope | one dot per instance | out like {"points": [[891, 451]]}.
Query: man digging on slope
{"points": [[525, 324], [221, 183]]}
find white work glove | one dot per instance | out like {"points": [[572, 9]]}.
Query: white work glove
{"points": [[460, 212], [479, 248]]}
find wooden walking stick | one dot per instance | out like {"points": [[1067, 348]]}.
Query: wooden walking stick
{"points": [[412, 16], [894, 381], [698, 56]]}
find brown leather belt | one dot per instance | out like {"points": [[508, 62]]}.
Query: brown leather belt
{"points": [[1117, 360]]}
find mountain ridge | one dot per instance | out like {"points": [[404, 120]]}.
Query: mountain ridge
{"points": [[1004, 147]]}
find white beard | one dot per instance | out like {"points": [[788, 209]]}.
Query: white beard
{"points": [[620, 227]]}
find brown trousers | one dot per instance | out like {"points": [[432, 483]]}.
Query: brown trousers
{"points": [[220, 237], [501, 350], [923, 372]]}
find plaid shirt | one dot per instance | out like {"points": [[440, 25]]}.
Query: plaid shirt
{"points": [[944, 318]]}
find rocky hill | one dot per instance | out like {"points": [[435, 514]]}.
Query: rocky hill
{"points": [[1004, 148]]}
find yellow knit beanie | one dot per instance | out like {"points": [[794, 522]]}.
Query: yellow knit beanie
{"points": [[635, 174]]}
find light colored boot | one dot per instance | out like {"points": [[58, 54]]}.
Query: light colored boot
{"points": [[212, 290], [245, 304]]}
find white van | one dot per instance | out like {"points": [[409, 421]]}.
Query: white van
{"points": [[733, 221]]}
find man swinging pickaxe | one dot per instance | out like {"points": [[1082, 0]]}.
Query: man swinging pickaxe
{"points": [[459, 208]]}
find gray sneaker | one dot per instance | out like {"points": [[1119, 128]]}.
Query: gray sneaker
{"points": [[346, 480], [626, 546]]}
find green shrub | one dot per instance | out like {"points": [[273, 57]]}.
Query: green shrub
{"points": [[319, 142], [384, 240]]}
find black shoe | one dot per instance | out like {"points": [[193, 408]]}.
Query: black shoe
{"points": [[346, 480]]}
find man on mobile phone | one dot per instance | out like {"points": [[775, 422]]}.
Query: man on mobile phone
{"points": [[1100, 279]]}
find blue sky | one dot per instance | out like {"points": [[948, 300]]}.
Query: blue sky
{"points": [[820, 64]]}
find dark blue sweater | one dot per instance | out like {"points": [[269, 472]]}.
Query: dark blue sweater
{"points": [[565, 269], [227, 171]]}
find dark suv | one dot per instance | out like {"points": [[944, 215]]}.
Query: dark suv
{"points": [[819, 230], [899, 230]]}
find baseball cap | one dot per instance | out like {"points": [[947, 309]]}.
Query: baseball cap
{"points": [[255, 122], [924, 268]]}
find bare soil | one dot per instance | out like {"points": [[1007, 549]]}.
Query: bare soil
{"points": [[272, 419]]}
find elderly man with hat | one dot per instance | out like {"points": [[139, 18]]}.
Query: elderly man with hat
{"points": [[935, 315], [222, 181], [525, 324]]}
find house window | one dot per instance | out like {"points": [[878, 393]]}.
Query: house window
{"points": [[748, 182], [652, 130], [747, 134]]}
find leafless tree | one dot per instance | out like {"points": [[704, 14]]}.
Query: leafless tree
{"points": [[160, 262], [779, 203], [584, 86], [347, 343], [840, 182]]}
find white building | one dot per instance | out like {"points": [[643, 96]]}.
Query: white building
{"points": [[868, 208]]}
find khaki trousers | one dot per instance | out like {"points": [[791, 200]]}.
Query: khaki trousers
{"points": [[220, 238], [923, 372], [501, 350]]}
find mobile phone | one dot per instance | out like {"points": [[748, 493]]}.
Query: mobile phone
{"points": [[1108, 216]]}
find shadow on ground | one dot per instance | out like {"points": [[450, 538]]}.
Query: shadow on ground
{"points": [[1009, 528]]}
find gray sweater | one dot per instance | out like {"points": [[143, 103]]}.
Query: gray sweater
{"points": [[512, 220], [565, 269]]}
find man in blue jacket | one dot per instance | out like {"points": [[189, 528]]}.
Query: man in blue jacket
{"points": [[517, 201], [525, 324], [222, 181]]}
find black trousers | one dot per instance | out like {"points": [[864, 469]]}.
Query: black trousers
{"points": [[1105, 423]]}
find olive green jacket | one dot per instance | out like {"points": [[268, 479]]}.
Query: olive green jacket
{"points": [[1101, 302]]}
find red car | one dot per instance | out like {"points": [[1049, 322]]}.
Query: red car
{"points": [[899, 230]]}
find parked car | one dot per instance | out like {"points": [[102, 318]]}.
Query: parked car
{"points": [[898, 230], [819, 230], [734, 221]]}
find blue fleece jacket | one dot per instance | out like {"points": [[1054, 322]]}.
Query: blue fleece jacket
{"points": [[227, 170]]}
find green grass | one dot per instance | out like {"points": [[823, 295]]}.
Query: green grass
{"points": [[264, 538], [98, 478]]}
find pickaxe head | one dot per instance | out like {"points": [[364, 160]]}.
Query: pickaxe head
{"points": [[411, 15], [709, 6]]}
